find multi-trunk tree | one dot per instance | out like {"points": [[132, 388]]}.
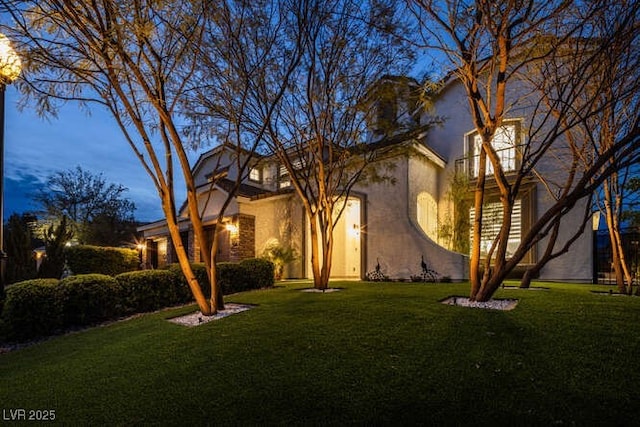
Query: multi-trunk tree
{"points": [[146, 62], [618, 94], [319, 131], [536, 57]]}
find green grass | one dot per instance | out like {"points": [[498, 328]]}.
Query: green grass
{"points": [[370, 354]]}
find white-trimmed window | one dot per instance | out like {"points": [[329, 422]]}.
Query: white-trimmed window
{"points": [[505, 140], [491, 223], [284, 181], [255, 175]]}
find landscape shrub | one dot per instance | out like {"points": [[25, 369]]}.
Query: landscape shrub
{"points": [[260, 272], [200, 271], [90, 298], [87, 259], [252, 273], [232, 277], [150, 290], [32, 309]]}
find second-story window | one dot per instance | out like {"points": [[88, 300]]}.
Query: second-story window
{"points": [[505, 142], [283, 178], [255, 175]]}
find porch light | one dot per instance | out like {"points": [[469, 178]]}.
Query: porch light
{"points": [[10, 67], [231, 228]]}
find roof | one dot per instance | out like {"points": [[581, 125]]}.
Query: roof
{"points": [[244, 190]]}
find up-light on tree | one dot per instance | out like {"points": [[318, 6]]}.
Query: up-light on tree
{"points": [[534, 57], [618, 75], [319, 130], [144, 61]]}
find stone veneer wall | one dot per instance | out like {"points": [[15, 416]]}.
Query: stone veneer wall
{"points": [[243, 245]]}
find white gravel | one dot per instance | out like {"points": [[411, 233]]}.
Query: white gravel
{"points": [[197, 318], [494, 304]]}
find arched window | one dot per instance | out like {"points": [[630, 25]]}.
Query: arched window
{"points": [[427, 215]]}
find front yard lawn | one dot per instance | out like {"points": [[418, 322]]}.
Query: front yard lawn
{"points": [[373, 353]]}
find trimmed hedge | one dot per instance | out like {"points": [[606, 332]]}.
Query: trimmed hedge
{"points": [[40, 307], [90, 298], [87, 259], [150, 290], [232, 277], [32, 308], [253, 273], [261, 272], [201, 274]]}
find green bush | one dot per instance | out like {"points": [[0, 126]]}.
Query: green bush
{"points": [[253, 273], [86, 259], [150, 290], [231, 277], [260, 272], [90, 298], [32, 308], [201, 274]]}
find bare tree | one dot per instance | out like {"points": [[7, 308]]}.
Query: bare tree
{"points": [[617, 72], [507, 52], [319, 130], [143, 61]]}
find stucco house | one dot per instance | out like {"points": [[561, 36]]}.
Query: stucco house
{"points": [[394, 226]]}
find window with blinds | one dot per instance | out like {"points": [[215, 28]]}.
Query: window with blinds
{"points": [[491, 223]]}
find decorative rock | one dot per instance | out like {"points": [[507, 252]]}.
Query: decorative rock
{"points": [[195, 319], [494, 304]]}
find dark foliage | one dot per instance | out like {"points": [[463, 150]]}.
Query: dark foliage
{"points": [[21, 264], [150, 290], [55, 239], [97, 211], [85, 259], [32, 308], [261, 272], [89, 298]]}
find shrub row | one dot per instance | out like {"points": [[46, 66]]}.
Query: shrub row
{"points": [[253, 273], [87, 259], [40, 307]]}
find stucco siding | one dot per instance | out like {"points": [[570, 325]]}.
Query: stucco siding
{"points": [[278, 220], [393, 238]]}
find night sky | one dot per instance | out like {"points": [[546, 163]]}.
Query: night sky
{"points": [[36, 147]]}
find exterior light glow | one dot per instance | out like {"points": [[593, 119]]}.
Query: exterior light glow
{"points": [[231, 228], [10, 64], [10, 67]]}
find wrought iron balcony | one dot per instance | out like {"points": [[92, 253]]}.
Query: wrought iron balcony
{"points": [[509, 158]]}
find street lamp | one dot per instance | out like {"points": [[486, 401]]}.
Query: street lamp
{"points": [[10, 67]]}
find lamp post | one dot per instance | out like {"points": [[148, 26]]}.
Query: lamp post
{"points": [[10, 67]]}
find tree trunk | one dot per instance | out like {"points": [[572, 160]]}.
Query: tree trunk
{"points": [[183, 259], [315, 253], [326, 235], [474, 259], [617, 252]]}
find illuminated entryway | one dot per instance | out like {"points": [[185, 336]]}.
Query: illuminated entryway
{"points": [[347, 246]]}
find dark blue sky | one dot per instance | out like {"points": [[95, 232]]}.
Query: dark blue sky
{"points": [[35, 148]]}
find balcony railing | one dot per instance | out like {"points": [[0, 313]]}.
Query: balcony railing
{"points": [[509, 158]]}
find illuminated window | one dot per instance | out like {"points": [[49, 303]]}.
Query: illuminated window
{"points": [[255, 175], [427, 215], [283, 178], [504, 141]]}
